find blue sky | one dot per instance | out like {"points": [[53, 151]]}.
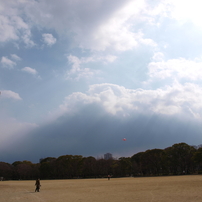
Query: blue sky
{"points": [[76, 77]]}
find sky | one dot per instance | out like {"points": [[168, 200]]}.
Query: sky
{"points": [[76, 77]]}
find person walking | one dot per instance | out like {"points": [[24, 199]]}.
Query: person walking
{"points": [[37, 184], [109, 176]]}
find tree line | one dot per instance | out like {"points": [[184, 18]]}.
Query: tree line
{"points": [[178, 159]]}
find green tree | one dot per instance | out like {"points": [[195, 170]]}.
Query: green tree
{"points": [[125, 166], [69, 166], [6, 170], [47, 168], [136, 160], [23, 169], [180, 157], [197, 158], [89, 167], [156, 161]]}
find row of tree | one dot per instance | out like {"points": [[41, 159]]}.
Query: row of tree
{"points": [[178, 159]]}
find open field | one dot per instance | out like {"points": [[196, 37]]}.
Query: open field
{"points": [[144, 189]]}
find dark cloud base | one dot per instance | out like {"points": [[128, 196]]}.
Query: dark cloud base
{"points": [[93, 132]]}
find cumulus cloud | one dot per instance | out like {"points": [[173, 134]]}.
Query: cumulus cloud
{"points": [[117, 100], [13, 27], [10, 94], [158, 57], [105, 25], [148, 119], [49, 39], [26, 37], [190, 11], [7, 31], [15, 57], [7, 62], [29, 70], [77, 72], [175, 68]]}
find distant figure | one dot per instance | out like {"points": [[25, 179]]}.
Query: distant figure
{"points": [[108, 177], [37, 184]]}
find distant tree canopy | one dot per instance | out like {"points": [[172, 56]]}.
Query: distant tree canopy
{"points": [[178, 159]]}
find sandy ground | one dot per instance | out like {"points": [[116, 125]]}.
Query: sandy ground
{"points": [[144, 189]]}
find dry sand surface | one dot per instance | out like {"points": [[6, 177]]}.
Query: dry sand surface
{"points": [[143, 189]]}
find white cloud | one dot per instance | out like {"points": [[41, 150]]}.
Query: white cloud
{"points": [[114, 32], [109, 58], [190, 11], [12, 25], [105, 25], [77, 72], [10, 94], [15, 57], [7, 62], [49, 39], [29, 70], [180, 10], [179, 100], [158, 57], [75, 63], [99, 26], [7, 30], [175, 69], [26, 37]]}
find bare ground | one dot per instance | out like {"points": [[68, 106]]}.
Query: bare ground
{"points": [[144, 189]]}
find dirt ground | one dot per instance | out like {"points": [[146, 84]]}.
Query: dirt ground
{"points": [[143, 189]]}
